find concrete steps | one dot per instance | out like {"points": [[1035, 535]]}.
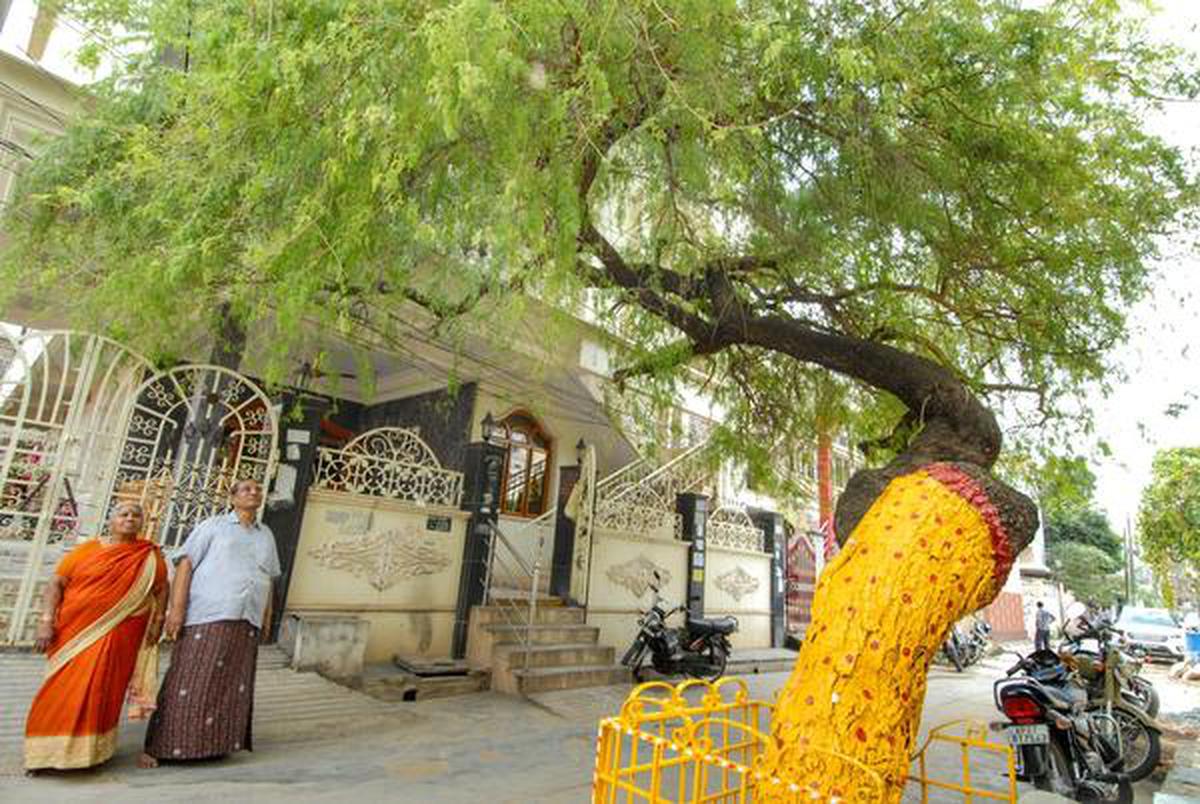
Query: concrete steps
{"points": [[552, 634], [520, 597], [546, 615], [559, 651], [512, 656], [547, 679]]}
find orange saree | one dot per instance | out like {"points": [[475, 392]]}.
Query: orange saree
{"points": [[97, 654]]}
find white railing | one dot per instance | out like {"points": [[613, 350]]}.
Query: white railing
{"points": [[639, 498], [731, 527], [512, 582], [406, 470]]}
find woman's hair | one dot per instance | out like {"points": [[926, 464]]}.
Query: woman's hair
{"points": [[127, 504]]}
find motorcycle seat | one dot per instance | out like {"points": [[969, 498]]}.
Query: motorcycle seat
{"points": [[1067, 698], [713, 625]]}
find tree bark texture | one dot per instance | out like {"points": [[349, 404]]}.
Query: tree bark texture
{"points": [[934, 546]]}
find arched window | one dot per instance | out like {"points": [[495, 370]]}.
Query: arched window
{"points": [[525, 487]]}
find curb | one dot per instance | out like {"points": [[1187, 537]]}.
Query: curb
{"points": [[1183, 780]]}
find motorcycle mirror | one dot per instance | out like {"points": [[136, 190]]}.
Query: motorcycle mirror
{"points": [[657, 577]]}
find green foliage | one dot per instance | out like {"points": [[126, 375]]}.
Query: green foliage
{"points": [[970, 180], [1067, 484], [1088, 572], [1083, 526], [1169, 518]]}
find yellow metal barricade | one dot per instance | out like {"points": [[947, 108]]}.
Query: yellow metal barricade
{"points": [[974, 737], [700, 742]]}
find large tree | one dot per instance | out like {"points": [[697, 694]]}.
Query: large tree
{"points": [[1169, 520], [1086, 571], [1085, 526], [938, 202]]}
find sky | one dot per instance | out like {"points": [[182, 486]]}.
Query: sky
{"points": [[1162, 355]]}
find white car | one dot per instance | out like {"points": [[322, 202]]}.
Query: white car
{"points": [[1152, 631]]}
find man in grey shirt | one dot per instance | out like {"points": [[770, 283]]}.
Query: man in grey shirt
{"points": [[220, 607], [1041, 628]]}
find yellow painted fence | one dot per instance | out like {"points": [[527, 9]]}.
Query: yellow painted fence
{"points": [[699, 742]]}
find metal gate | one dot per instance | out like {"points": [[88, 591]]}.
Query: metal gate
{"points": [[193, 431], [64, 401], [85, 422]]}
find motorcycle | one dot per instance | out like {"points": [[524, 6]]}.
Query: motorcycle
{"points": [[978, 639], [1110, 665], [698, 649], [1059, 744], [1107, 679], [965, 650], [954, 649]]}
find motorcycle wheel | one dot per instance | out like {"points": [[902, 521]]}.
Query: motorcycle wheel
{"points": [[1122, 795], [1058, 778], [1141, 745], [717, 659], [1143, 695]]}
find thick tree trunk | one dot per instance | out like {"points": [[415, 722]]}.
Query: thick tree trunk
{"points": [[931, 536], [935, 545]]}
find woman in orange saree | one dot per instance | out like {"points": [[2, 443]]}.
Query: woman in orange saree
{"points": [[100, 627]]}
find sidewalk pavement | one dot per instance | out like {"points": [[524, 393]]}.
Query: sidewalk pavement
{"points": [[319, 742]]}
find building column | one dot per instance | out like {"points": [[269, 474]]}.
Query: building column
{"points": [[564, 537], [694, 510], [288, 495], [481, 495], [775, 543]]}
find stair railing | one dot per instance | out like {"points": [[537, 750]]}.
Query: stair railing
{"points": [[507, 569], [683, 473]]}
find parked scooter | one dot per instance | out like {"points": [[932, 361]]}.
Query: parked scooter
{"points": [[698, 649], [978, 640], [1060, 745]]}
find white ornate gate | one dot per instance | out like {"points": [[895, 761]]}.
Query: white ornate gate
{"points": [[64, 402], [192, 432], [85, 422]]}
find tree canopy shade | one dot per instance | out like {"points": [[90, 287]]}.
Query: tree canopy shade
{"points": [[849, 183], [1088, 572]]}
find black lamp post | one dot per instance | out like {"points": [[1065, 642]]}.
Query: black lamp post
{"points": [[488, 428]]}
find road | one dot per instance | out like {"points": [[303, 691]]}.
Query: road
{"points": [[319, 742]]}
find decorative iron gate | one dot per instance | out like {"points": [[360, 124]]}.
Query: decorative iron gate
{"points": [[192, 432], [85, 422], [64, 402]]}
